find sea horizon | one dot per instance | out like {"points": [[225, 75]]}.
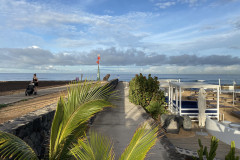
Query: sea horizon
{"points": [[226, 79]]}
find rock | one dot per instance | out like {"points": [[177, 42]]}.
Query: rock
{"points": [[22, 132], [33, 137], [28, 141], [172, 126], [187, 123], [36, 125], [172, 123], [163, 117], [180, 121], [106, 77]]}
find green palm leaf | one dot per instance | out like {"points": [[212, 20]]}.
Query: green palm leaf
{"points": [[12, 147], [72, 114], [98, 147], [141, 143]]}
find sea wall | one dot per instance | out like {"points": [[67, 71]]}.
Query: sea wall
{"points": [[34, 128]]}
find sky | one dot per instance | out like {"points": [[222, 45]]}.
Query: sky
{"points": [[131, 36]]}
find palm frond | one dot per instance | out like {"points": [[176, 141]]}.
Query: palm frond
{"points": [[56, 127], [98, 147], [72, 114], [142, 141], [12, 147], [82, 115]]}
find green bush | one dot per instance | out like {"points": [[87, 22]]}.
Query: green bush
{"points": [[145, 92], [3, 105], [155, 108]]}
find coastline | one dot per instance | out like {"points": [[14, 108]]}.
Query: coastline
{"points": [[226, 79]]}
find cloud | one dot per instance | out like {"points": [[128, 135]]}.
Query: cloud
{"points": [[36, 57], [193, 40], [236, 23], [163, 5], [190, 2], [48, 26], [166, 3], [203, 69], [31, 23], [208, 28], [34, 47], [222, 2], [214, 60], [74, 37]]}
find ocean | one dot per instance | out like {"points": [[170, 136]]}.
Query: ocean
{"points": [[208, 78]]}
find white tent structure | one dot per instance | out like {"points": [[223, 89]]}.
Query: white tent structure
{"points": [[231, 89], [164, 84], [189, 108]]}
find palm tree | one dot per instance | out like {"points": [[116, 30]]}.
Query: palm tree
{"points": [[68, 132], [99, 147]]}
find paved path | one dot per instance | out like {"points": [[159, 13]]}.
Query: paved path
{"points": [[8, 99], [119, 123]]}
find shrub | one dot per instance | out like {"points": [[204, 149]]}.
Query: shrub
{"points": [[203, 152], [145, 92], [156, 108], [3, 105], [231, 154]]}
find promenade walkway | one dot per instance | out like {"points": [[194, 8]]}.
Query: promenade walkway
{"points": [[9, 99], [120, 122]]}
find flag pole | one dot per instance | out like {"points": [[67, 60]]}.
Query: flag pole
{"points": [[98, 74]]}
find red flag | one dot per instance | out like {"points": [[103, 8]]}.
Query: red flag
{"points": [[97, 62]]}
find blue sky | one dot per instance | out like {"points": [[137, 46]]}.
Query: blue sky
{"points": [[132, 36]]}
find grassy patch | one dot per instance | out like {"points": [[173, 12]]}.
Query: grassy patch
{"points": [[23, 100], [3, 105]]}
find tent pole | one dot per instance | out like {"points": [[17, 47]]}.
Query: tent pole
{"points": [[218, 103], [180, 101]]}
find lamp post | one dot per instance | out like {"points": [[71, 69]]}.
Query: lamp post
{"points": [[98, 74]]}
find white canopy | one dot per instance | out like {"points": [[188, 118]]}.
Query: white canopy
{"points": [[177, 107], [193, 85]]}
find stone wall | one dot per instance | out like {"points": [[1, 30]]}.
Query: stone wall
{"points": [[113, 83], [34, 128]]}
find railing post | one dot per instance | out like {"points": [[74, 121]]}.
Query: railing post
{"points": [[218, 103], [169, 94], [180, 101], [176, 95], [172, 98]]}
